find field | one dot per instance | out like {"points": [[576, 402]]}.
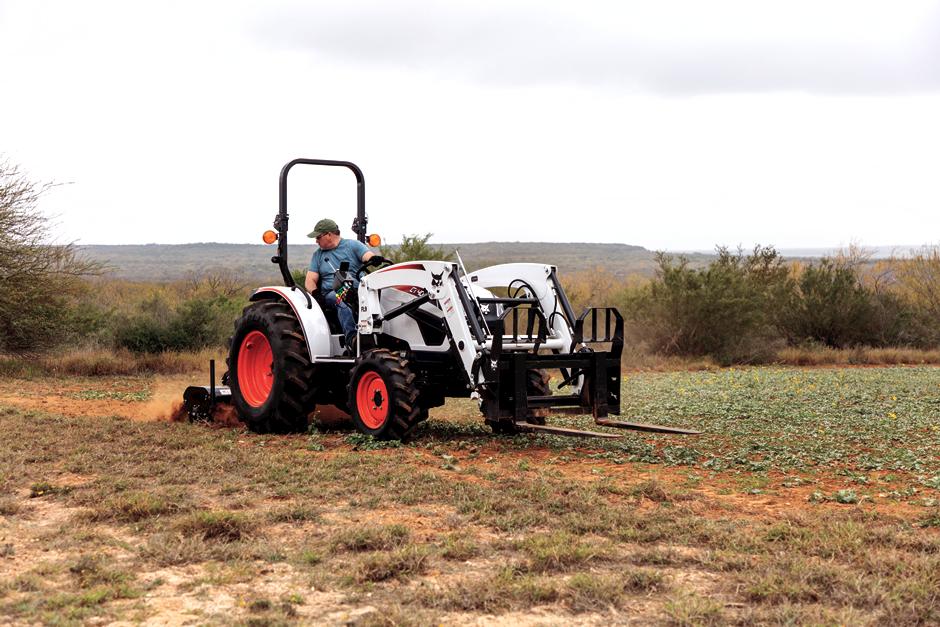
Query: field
{"points": [[812, 497]]}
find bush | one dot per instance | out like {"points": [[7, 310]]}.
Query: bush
{"points": [[835, 303], [194, 324], [725, 310], [829, 306], [917, 285], [41, 279], [415, 247]]}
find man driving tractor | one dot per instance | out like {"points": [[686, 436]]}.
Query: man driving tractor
{"points": [[333, 251]]}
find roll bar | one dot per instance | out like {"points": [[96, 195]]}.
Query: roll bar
{"points": [[280, 222]]}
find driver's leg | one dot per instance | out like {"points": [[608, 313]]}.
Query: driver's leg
{"points": [[347, 321]]}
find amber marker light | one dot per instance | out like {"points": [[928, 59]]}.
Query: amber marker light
{"points": [[374, 240], [269, 237]]}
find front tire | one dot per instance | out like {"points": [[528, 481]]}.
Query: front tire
{"points": [[383, 399], [270, 373]]}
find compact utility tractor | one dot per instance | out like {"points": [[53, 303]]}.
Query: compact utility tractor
{"points": [[427, 330]]}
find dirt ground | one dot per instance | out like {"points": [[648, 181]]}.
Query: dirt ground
{"points": [[164, 405], [195, 593]]}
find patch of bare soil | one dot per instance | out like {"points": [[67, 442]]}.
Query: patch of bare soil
{"points": [[143, 399]]}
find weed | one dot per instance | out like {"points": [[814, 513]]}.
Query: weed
{"points": [[383, 537], [9, 507], [557, 552], [504, 590], [585, 592], [931, 520], [216, 525], [44, 488], [134, 507], [295, 514], [99, 395], [692, 610], [398, 564], [362, 442], [846, 497], [311, 557], [459, 548], [651, 489]]}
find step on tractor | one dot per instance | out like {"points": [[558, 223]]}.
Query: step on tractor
{"points": [[505, 335]]}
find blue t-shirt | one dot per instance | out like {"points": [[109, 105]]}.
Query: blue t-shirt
{"points": [[326, 262]]}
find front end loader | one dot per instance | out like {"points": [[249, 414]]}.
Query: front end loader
{"points": [[505, 335]]}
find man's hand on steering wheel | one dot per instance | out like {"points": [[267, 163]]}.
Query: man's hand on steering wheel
{"points": [[374, 263]]}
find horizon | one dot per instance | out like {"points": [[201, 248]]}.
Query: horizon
{"points": [[875, 251]]}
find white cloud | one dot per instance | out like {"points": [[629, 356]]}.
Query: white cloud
{"points": [[173, 120], [671, 46]]}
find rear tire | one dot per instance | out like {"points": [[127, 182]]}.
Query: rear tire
{"points": [[383, 399], [270, 373]]}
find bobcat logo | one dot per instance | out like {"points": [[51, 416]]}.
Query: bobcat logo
{"points": [[437, 280]]}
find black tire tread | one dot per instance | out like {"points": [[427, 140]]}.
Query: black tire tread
{"points": [[289, 414], [406, 413]]}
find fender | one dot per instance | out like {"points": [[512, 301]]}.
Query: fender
{"points": [[313, 323]]}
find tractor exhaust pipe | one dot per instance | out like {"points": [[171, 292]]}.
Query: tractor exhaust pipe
{"points": [[199, 401]]}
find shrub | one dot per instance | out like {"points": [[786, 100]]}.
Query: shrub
{"points": [[829, 306], [192, 325], [725, 310], [836, 303], [917, 285], [414, 247], [41, 279]]}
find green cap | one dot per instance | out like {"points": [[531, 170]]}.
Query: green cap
{"points": [[323, 226]]}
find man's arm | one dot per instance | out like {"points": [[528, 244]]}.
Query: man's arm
{"points": [[367, 256], [310, 282]]}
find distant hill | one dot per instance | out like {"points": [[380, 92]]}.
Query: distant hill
{"points": [[168, 262]]}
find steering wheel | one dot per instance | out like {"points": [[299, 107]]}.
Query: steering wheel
{"points": [[376, 262]]}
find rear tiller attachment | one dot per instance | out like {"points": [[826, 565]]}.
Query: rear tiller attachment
{"points": [[199, 401]]}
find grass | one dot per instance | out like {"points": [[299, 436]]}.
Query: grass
{"points": [[220, 526], [398, 564], [384, 537], [558, 551], [96, 362], [825, 356], [108, 362], [672, 528], [134, 506]]}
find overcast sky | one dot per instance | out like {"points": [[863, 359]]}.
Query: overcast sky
{"points": [[670, 124]]}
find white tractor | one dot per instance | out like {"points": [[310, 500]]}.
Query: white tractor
{"points": [[427, 331]]}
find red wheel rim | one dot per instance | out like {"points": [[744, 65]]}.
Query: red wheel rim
{"points": [[372, 400], [255, 368]]}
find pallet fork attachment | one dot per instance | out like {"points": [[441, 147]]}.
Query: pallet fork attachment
{"points": [[598, 371]]}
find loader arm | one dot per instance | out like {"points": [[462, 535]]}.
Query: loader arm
{"points": [[435, 282]]}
